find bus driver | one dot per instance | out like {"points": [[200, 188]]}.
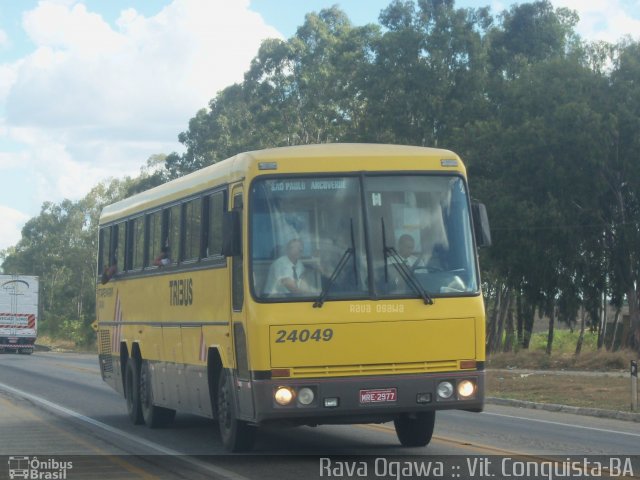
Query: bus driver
{"points": [[285, 274]]}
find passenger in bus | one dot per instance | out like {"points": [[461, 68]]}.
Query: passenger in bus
{"points": [[406, 250], [286, 273], [163, 259], [404, 247], [111, 270]]}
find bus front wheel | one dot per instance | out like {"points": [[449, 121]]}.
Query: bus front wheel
{"points": [[415, 429], [153, 415], [132, 391], [237, 436]]}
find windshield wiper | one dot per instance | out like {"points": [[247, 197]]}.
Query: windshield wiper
{"points": [[348, 253], [405, 272]]}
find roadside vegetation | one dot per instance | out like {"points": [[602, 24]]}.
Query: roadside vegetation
{"points": [[602, 392], [563, 357], [595, 378]]}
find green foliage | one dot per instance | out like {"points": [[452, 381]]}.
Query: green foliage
{"points": [[60, 246], [565, 341]]}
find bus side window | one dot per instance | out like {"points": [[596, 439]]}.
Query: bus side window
{"points": [[192, 228], [155, 238], [108, 263], [104, 247], [214, 224], [121, 244], [137, 243], [173, 233]]}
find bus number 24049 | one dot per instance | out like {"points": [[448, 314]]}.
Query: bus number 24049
{"points": [[318, 335]]}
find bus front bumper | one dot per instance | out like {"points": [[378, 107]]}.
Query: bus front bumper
{"points": [[367, 399]]}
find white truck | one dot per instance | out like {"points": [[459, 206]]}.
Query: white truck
{"points": [[18, 313]]}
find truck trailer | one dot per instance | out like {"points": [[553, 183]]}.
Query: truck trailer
{"points": [[18, 313]]}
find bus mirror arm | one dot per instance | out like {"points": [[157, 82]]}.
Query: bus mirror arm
{"points": [[481, 224], [232, 233]]}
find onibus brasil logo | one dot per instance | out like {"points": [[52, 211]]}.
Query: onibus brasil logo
{"points": [[35, 469]]}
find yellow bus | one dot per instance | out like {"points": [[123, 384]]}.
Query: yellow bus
{"points": [[319, 284]]}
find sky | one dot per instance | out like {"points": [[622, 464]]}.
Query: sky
{"points": [[90, 89]]}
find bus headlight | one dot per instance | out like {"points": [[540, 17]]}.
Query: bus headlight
{"points": [[466, 388], [306, 396], [283, 396], [445, 390]]}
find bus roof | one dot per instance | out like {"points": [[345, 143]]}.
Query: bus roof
{"points": [[336, 157]]}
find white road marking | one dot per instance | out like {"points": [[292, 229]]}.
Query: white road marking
{"points": [[221, 472], [603, 430]]}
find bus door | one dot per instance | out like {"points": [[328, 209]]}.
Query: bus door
{"points": [[238, 316]]}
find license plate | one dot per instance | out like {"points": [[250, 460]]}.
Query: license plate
{"points": [[378, 395], [13, 340]]}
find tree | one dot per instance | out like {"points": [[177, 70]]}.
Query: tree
{"points": [[60, 246], [621, 173]]}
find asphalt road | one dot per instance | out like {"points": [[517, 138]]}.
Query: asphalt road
{"points": [[54, 404]]}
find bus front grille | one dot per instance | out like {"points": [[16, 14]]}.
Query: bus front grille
{"points": [[376, 369]]}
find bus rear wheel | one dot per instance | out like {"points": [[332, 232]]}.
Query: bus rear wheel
{"points": [[415, 429], [237, 436], [132, 391], [153, 415]]}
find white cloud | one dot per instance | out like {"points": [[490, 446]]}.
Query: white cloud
{"points": [[4, 39], [72, 28], [150, 73], [9, 160], [607, 20], [95, 100], [11, 222]]}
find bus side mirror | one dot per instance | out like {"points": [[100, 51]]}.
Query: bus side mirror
{"points": [[481, 224], [232, 233]]}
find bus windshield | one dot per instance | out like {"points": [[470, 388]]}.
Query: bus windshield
{"points": [[308, 237]]}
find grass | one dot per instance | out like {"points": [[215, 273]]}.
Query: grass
{"points": [[600, 361], [601, 391], [563, 355], [61, 344], [558, 385], [564, 341]]}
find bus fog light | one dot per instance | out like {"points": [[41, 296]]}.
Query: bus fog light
{"points": [[306, 396], [466, 388], [283, 396], [445, 390], [331, 402]]}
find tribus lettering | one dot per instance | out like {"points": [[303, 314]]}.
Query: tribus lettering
{"points": [[181, 292]]}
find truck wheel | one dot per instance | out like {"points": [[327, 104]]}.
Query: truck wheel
{"points": [[415, 429], [237, 436], [26, 351], [132, 391], [153, 415]]}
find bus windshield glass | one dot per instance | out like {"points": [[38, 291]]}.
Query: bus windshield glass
{"points": [[302, 230], [420, 229], [308, 238]]}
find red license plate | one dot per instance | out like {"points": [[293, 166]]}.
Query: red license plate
{"points": [[378, 395]]}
